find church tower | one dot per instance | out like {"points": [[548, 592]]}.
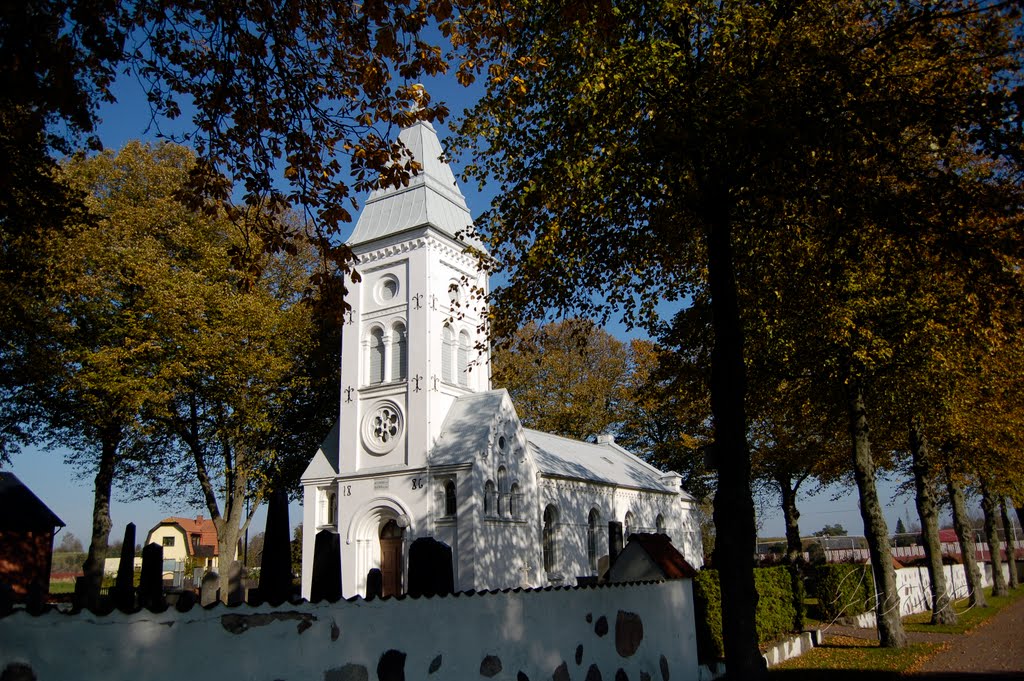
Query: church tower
{"points": [[416, 337], [414, 342]]}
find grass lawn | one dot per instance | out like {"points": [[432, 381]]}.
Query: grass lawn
{"points": [[844, 655]]}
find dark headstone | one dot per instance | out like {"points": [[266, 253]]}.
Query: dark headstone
{"points": [[430, 568], [374, 583], [614, 541], [629, 632], [601, 626], [6, 599], [151, 582], [391, 666], [17, 671], [186, 601], [208, 591], [326, 583], [490, 666], [236, 588], [276, 564], [124, 586]]}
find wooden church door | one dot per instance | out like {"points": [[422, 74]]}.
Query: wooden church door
{"points": [[391, 559]]}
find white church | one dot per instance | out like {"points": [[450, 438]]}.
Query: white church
{"points": [[425, 448]]}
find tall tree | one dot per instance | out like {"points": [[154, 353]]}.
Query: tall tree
{"points": [[642, 147], [566, 377]]}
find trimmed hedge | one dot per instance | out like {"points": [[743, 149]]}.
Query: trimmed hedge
{"points": [[776, 613], [843, 589]]}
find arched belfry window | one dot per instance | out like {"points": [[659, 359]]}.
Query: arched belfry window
{"points": [[376, 355], [550, 538], [450, 502], [447, 352], [399, 353], [463, 367], [593, 522]]}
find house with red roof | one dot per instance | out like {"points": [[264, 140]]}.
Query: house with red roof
{"points": [[187, 540]]}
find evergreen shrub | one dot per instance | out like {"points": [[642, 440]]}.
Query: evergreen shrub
{"points": [[776, 613], [843, 589]]}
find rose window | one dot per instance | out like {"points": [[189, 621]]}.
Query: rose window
{"points": [[382, 428]]}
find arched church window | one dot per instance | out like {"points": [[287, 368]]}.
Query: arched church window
{"points": [[502, 490], [628, 525], [592, 524], [450, 506], [515, 501], [447, 350], [489, 500], [377, 355], [550, 538], [463, 367], [399, 353], [659, 523]]}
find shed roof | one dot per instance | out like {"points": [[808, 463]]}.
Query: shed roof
{"points": [[21, 509], [431, 198], [664, 554]]}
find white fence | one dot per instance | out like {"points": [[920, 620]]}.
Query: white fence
{"points": [[644, 630]]}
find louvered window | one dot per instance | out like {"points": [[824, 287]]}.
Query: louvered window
{"points": [[463, 367], [447, 350], [377, 356], [399, 353]]}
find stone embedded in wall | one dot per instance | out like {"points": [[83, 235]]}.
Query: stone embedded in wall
{"points": [[629, 632], [17, 671], [350, 672], [601, 627], [593, 674], [490, 666], [579, 655], [663, 663], [391, 666], [435, 664], [644, 676], [522, 677], [561, 673], [621, 675], [335, 631], [589, 618], [239, 624]]}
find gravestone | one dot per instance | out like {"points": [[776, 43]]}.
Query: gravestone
{"points": [[326, 582], [151, 582], [208, 591], [374, 583], [430, 568], [614, 541], [276, 563], [124, 586], [236, 590]]}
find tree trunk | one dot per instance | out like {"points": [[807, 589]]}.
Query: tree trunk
{"points": [[794, 547], [965, 533], [1011, 548], [92, 568], [887, 609], [942, 609], [988, 507], [734, 502]]}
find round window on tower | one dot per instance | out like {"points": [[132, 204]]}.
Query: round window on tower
{"points": [[382, 427], [387, 289]]}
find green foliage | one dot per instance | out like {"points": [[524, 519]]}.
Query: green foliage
{"points": [[776, 613], [842, 589], [836, 530]]}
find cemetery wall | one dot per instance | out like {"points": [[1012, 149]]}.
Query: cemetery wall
{"points": [[635, 631], [914, 585]]}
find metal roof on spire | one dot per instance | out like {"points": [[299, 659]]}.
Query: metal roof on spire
{"points": [[432, 197]]}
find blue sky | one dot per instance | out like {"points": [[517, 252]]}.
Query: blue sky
{"points": [[69, 491]]}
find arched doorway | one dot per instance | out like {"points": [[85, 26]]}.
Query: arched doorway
{"points": [[391, 558]]}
